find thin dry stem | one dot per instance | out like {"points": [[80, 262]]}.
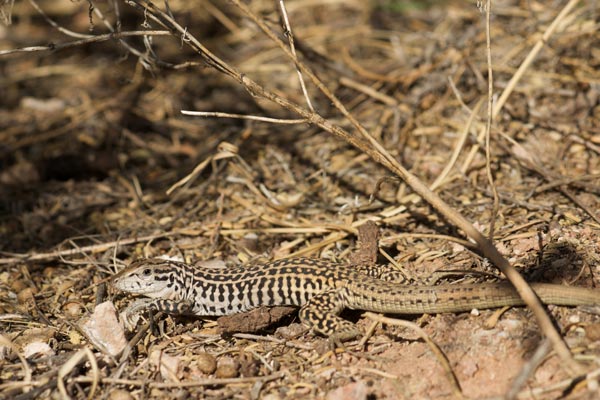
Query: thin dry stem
{"points": [[488, 122]]}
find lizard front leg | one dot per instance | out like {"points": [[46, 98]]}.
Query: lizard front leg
{"points": [[131, 314]]}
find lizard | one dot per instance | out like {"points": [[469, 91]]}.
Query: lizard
{"points": [[321, 288]]}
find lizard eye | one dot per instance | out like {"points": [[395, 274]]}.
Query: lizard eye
{"points": [[146, 272]]}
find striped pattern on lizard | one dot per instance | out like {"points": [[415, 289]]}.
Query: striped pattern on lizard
{"points": [[322, 289]]}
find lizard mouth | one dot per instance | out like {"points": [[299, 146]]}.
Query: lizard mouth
{"points": [[140, 288]]}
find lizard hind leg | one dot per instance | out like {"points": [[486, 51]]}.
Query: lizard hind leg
{"points": [[321, 315]]}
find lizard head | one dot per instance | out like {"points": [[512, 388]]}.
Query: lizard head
{"points": [[150, 277]]}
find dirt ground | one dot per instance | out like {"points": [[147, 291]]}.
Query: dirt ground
{"points": [[98, 167]]}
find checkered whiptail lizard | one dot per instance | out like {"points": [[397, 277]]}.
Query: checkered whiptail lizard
{"points": [[321, 288]]}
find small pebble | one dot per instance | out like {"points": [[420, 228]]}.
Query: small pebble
{"points": [[26, 295], [18, 285], [227, 367], [206, 363], [49, 272], [37, 349], [73, 309], [592, 332], [120, 394], [291, 331], [248, 365]]}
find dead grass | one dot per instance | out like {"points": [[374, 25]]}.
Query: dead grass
{"points": [[92, 138]]}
